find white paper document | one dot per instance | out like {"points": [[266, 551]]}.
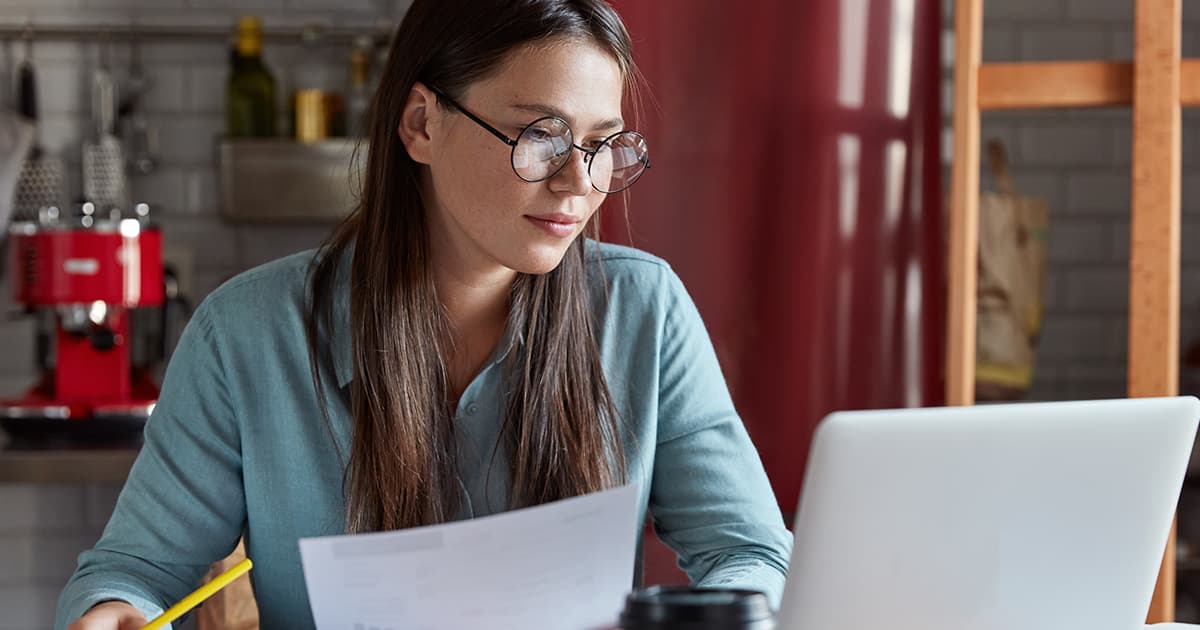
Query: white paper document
{"points": [[565, 565]]}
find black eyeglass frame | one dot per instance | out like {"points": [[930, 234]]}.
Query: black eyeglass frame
{"points": [[588, 154]]}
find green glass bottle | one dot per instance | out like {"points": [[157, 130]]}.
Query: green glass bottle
{"points": [[250, 93]]}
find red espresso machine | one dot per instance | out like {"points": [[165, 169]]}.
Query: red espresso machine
{"points": [[85, 277]]}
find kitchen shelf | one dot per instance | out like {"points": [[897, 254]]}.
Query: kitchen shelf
{"points": [[66, 465], [281, 180]]}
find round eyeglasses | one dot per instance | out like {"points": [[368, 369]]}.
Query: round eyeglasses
{"points": [[544, 146]]}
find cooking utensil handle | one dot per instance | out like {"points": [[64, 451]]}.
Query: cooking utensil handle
{"points": [[27, 91], [103, 106]]}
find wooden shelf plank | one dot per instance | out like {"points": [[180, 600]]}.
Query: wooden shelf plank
{"points": [[1040, 85], [1189, 82], [1058, 84]]}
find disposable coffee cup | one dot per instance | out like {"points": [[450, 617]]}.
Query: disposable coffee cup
{"points": [[684, 608]]}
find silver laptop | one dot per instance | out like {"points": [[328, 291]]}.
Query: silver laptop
{"points": [[1024, 516]]}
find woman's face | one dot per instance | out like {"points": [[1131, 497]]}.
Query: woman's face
{"points": [[483, 217]]}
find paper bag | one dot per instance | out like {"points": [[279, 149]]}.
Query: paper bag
{"points": [[1012, 269]]}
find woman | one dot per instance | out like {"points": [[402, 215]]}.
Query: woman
{"points": [[457, 349]]}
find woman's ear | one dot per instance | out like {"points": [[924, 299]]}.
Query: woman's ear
{"points": [[414, 123]]}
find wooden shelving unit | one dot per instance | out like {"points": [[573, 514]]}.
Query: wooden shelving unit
{"points": [[1156, 84]]}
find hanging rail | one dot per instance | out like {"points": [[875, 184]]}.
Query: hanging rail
{"points": [[113, 32]]}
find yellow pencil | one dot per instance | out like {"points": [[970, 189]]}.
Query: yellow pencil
{"points": [[199, 595]]}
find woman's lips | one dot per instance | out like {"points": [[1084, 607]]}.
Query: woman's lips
{"points": [[558, 225]]}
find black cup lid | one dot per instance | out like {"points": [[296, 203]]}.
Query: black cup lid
{"points": [[682, 604]]}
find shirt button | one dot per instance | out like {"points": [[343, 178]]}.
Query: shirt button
{"points": [[472, 408]]}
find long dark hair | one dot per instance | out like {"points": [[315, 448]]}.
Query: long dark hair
{"points": [[560, 426]]}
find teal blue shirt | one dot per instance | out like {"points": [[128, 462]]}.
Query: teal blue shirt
{"points": [[237, 446]]}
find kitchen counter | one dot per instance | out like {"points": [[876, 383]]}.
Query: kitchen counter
{"points": [[65, 465]]}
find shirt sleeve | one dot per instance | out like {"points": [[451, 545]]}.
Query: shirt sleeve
{"points": [[710, 499], [182, 507]]}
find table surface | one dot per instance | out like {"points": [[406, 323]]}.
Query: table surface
{"points": [[107, 464]]}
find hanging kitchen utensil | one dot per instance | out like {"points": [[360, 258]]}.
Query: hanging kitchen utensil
{"points": [[17, 133], [16, 136], [103, 157], [140, 138], [40, 184]]}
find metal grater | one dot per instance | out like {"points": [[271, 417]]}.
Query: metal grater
{"points": [[103, 159], [104, 172], [40, 185]]}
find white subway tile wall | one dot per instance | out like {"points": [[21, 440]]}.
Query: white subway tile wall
{"points": [[43, 528]]}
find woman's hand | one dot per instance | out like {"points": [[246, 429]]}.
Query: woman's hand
{"points": [[110, 616]]}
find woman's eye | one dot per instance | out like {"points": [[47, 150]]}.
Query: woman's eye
{"points": [[536, 133]]}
